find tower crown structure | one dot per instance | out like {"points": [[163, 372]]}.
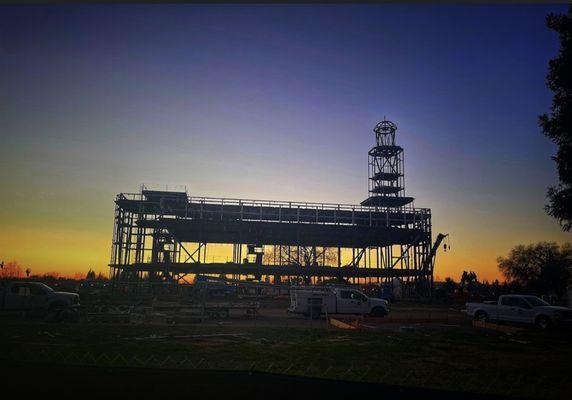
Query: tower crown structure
{"points": [[385, 165], [385, 133]]}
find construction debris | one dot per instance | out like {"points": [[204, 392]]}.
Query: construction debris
{"points": [[496, 327], [344, 323], [169, 312], [239, 336]]}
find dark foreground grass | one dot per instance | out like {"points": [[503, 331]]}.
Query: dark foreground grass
{"points": [[531, 364]]}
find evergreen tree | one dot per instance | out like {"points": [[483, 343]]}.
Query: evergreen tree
{"points": [[558, 125]]}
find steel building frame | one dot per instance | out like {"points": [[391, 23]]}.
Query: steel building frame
{"points": [[165, 235]]}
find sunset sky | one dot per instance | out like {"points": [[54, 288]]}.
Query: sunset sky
{"points": [[273, 102]]}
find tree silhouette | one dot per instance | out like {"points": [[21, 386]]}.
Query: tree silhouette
{"points": [[468, 278], [90, 275], [558, 126], [542, 268], [11, 269], [450, 286], [305, 256]]}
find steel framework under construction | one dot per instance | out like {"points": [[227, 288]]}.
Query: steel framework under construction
{"points": [[165, 235]]}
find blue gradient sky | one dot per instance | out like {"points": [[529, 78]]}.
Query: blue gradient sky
{"points": [[276, 102]]}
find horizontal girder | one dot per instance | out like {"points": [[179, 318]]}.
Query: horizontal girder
{"points": [[279, 270], [295, 234]]}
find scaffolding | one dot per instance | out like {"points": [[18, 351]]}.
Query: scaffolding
{"points": [[165, 235]]}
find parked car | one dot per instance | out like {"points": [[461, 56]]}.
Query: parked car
{"points": [[524, 309], [36, 298], [313, 301]]}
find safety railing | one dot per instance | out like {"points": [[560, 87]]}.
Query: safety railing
{"points": [[282, 211]]}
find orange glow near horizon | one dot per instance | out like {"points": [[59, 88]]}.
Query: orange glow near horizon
{"points": [[73, 253], [57, 234]]}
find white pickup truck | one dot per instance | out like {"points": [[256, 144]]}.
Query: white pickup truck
{"points": [[312, 301], [520, 309]]}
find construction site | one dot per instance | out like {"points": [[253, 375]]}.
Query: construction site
{"points": [[258, 201], [167, 236], [335, 299]]}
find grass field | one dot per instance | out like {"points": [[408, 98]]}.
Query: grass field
{"points": [[528, 364]]}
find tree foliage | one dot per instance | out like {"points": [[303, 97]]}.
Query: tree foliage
{"points": [[90, 276], [469, 279], [558, 125], [305, 256], [11, 269], [450, 286], [542, 268]]}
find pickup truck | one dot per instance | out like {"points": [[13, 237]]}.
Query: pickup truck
{"points": [[35, 298], [522, 309], [312, 301]]}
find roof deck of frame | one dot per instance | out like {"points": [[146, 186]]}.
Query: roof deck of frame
{"points": [[218, 220]]}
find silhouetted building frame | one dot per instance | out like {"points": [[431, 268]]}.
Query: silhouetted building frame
{"points": [[165, 235]]}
